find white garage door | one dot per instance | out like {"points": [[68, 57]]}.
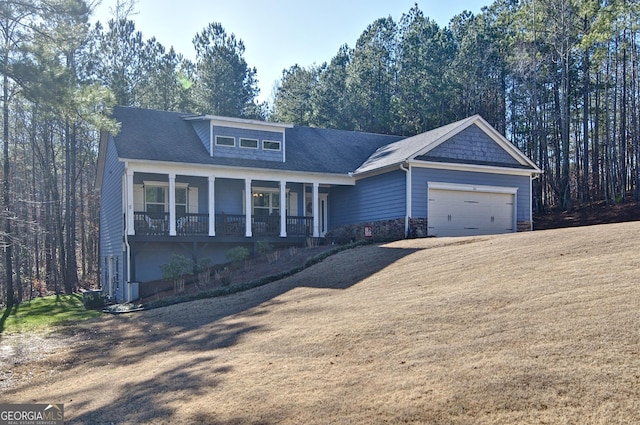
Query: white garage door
{"points": [[470, 212]]}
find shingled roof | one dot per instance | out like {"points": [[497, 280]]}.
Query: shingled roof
{"points": [[415, 148], [165, 136]]}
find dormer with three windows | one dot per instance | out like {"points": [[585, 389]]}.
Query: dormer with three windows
{"points": [[225, 137]]}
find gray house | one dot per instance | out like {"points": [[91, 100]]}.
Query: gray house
{"points": [[201, 185]]}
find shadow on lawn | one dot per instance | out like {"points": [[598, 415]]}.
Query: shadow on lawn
{"points": [[7, 312], [134, 340]]}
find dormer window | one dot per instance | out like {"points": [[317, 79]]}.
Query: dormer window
{"points": [[248, 143], [225, 141], [271, 145]]}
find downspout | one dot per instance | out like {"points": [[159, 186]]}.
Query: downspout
{"points": [[408, 200], [127, 254]]}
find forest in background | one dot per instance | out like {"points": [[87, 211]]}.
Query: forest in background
{"points": [[559, 78]]}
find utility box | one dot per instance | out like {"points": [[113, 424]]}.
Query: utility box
{"points": [[93, 299]]}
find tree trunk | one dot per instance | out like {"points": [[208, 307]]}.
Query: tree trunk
{"points": [[6, 193]]}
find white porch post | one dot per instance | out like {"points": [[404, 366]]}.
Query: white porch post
{"points": [[212, 206], [316, 215], [129, 211], [283, 209], [248, 208], [172, 204]]}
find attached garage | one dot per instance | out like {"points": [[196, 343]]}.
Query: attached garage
{"points": [[467, 210], [462, 179]]}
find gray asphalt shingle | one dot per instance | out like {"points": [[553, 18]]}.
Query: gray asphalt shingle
{"points": [[165, 136]]}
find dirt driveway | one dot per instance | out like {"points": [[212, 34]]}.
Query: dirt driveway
{"points": [[524, 328]]}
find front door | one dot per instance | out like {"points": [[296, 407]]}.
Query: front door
{"points": [[323, 211]]}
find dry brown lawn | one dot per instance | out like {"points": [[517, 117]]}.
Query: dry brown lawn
{"points": [[534, 328]]}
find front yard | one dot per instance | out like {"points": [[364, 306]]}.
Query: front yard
{"points": [[532, 328]]}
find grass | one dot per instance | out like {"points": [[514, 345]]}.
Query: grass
{"points": [[533, 328], [42, 314]]}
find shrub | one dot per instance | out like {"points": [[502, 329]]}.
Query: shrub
{"points": [[203, 263], [238, 255], [175, 269], [263, 247], [177, 266]]}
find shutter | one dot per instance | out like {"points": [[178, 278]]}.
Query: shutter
{"points": [[138, 198], [193, 200], [293, 204]]}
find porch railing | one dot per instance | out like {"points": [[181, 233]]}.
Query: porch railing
{"points": [[299, 226], [153, 224], [193, 224], [230, 224], [146, 223]]}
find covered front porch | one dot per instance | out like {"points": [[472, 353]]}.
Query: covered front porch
{"points": [[189, 204], [195, 224]]}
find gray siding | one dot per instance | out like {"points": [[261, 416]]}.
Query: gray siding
{"points": [[247, 153], [377, 198], [203, 130], [150, 257], [112, 216], [471, 145], [420, 177], [229, 196]]}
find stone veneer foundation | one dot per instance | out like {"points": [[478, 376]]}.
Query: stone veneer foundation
{"points": [[389, 230]]}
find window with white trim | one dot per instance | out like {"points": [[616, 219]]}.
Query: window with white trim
{"points": [[225, 141], [266, 201], [248, 143], [271, 145], [156, 198]]}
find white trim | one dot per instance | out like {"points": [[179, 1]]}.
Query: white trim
{"points": [[240, 122], [204, 170], [211, 139], [408, 190], [472, 168], [248, 211], [507, 146], [530, 204], [172, 204], [272, 141], [212, 205], [284, 146], [163, 183], [240, 139], [283, 209], [220, 136], [129, 212], [472, 188], [477, 188]]}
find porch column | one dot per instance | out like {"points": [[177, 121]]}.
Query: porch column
{"points": [[212, 206], [283, 209], [129, 210], [248, 207], [316, 215], [172, 204]]}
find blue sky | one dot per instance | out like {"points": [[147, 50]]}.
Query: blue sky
{"points": [[279, 33]]}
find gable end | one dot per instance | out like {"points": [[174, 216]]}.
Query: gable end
{"points": [[471, 146]]}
